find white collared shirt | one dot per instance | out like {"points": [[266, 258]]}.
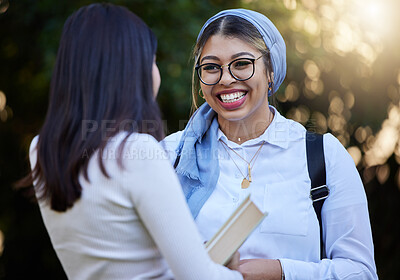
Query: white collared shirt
{"points": [[281, 186]]}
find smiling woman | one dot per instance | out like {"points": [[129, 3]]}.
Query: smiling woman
{"points": [[236, 144]]}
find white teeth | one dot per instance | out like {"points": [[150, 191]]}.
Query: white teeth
{"points": [[232, 97]]}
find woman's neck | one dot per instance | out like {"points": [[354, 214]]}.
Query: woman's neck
{"points": [[244, 130]]}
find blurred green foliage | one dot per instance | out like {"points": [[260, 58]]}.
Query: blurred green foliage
{"points": [[343, 77]]}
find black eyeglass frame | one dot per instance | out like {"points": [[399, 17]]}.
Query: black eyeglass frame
{"points": [[229, 68]]}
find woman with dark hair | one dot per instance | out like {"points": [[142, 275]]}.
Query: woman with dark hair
{"points": [[236, 144], [109, 198]]}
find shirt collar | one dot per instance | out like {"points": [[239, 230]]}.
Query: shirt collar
{"points": [[278, 133]]}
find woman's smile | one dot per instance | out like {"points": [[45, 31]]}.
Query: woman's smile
{"points": [[232, 99]]}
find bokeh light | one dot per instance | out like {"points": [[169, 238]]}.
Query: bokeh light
{"points": [[4, 4], [300, 114], [5, 111], [386, 141], [345, 26], [1, 242], [361, 134], [334, 31], [319, 122], [382, 173], [290, 4], [2, 101], [355, 153]]}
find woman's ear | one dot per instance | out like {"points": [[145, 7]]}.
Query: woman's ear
{"points": [[156, 78], [270, 84]]}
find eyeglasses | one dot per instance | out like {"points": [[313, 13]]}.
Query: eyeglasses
{"points": [[241, 69]]}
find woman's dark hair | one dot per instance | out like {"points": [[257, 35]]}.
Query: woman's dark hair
{"points": [[229, 26], [101, 85]]}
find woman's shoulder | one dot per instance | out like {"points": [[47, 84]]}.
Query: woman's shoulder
{"points": [[333, 147], [135, 140], [171, 142], [33, 150], [286, 127], [134, 151], [33, 144], [173, 137], [142, 139], [331, 140]]}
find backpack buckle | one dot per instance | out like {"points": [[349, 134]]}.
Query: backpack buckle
{"points": [[319, 193]]}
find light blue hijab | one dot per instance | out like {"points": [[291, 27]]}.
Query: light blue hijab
{"points": [[272, 38]]}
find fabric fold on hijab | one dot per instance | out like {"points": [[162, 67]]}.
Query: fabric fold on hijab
{"points": [[272, 38]]}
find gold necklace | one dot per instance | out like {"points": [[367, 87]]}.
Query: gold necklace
{"points": [[244, 139], [256, 133], [246, 179]]}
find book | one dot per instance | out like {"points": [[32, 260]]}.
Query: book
{"points": [[234, 231]]}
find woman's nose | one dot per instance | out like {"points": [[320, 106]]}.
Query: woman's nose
{"points": [[226, 78]]}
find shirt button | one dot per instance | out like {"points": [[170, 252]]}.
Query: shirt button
{"points": [[237, 176], [235, 199]]}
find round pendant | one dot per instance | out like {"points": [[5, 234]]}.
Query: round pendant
{"points": [[245, 183]]}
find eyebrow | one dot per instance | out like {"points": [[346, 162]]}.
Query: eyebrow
{"points": [[242, 54], [213, 57]]}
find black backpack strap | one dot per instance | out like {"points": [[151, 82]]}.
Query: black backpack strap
{"points": [[178, 157], [316, 169]]}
